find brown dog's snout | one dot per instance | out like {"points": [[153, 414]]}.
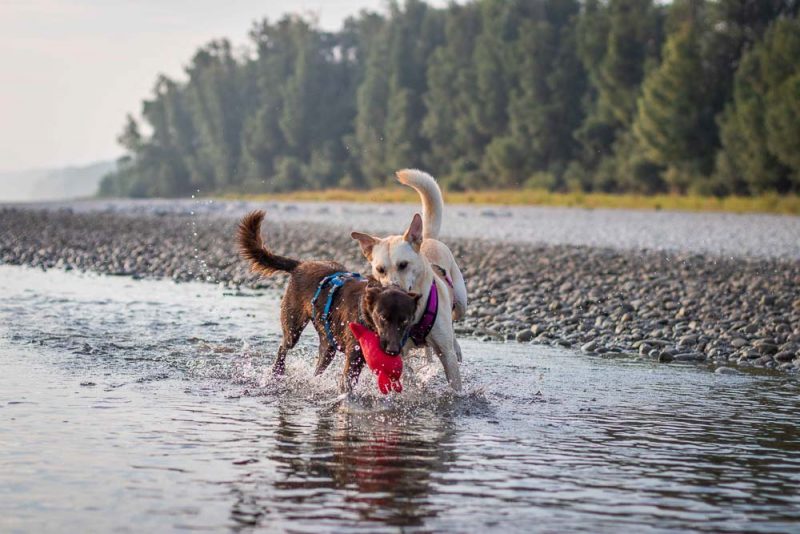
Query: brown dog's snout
{"points": [[390, 347]]}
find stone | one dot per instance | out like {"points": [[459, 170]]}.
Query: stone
{"points": [[765, 347], [657, 342], [752, 354], [689, 357], [762, 361], [524, 335], [738, 342]]}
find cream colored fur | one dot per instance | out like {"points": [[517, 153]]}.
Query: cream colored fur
{"points": [[434, 250], [407, 262]]}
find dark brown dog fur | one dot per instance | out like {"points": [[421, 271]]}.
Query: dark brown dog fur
{"points": [[387, 311]]}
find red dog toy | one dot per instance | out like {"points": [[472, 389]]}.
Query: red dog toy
{"points": [[388, 368]]}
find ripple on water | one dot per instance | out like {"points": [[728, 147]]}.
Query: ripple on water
{"points": [[187, 428]]}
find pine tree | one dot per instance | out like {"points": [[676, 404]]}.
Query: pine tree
{"points": [[618, 44], [455, 145], [370, 121], [213, 92], [545, 106], [415, 32], [759, 128], [674, 126]]}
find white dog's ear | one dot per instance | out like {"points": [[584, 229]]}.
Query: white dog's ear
{"points": [[367, 242], [414, 233]]}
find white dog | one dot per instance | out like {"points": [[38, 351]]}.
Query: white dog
{"points": [[418, 262]]}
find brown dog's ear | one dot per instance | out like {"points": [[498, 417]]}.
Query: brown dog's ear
{"points": [[414, 233], [372, 295], [367, 242]]}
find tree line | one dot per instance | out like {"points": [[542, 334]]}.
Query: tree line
{"points": [[694, 96]]}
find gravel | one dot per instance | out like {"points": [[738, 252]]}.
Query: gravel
{"points": [[722, 234], [668, 306]]}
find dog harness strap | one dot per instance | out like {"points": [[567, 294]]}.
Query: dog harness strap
{"points": [[420, 331], [335, 280], [443, 273]]}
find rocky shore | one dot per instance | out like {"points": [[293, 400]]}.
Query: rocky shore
{"points": [[668, 306]]}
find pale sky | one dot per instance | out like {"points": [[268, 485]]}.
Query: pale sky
{"points": [[71, 69]]}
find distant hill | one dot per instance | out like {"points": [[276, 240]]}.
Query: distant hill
{"points": [[53, 184]]}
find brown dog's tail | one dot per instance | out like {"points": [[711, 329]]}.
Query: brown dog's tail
{"points": [[252, 248]]}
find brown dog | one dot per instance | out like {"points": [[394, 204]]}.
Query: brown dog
{"points": [[389, 312]]}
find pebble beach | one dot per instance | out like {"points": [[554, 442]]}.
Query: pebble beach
{"points": [[670, 305]]}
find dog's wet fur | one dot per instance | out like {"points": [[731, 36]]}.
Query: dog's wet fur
{"points": [[388, 311]]}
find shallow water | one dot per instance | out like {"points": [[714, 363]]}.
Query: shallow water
{"points": [[148, 405]]}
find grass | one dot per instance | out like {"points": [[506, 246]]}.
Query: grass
{"points": [[786, 204]]}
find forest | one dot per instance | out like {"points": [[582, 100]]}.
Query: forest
{"points": [[616, 96]]}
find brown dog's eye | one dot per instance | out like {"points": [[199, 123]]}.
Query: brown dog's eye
{"points": [[402, 265], [380, 270]]}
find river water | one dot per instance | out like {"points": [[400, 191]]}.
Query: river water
{"points": [[148, 406]]}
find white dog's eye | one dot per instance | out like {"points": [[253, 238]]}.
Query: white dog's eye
{"points": [[380, 270], [402, 265]]}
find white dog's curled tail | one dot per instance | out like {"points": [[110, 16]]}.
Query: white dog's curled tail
{"points": [[430, 194]]}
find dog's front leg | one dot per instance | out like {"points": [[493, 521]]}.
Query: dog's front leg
{"points": [[451, 371], [353, 364], [442, 344], [443, 340], [325, 356]]}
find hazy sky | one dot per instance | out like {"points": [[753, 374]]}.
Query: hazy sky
{"points": [[71, 69]]}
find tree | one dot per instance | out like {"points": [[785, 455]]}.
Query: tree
{"points": [[455, 143], [545, 106], [759, 128], [675, 122], [618, 44], [370, 121], [562, 94], [214, 94]]}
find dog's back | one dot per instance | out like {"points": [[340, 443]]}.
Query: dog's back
{"points": [[435, 251]]}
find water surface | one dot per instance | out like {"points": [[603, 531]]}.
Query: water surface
{"points": [[148, 405]]}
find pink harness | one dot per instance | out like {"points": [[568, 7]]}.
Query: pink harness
{"points": [[420, 331]]}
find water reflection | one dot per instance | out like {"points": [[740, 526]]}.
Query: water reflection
{"points": [[346, 464]]}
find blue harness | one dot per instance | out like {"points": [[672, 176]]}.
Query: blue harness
{"points": [[335, 280]]}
